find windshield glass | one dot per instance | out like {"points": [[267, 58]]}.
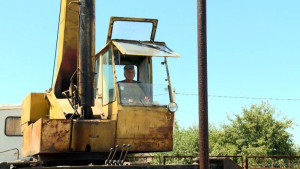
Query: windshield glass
{"points": [[143, 94], [146, 88], [130, 30]]}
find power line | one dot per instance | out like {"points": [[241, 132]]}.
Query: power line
{"points": [[242, 97]]}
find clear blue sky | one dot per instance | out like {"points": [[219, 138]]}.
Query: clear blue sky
{"points": [[253, 51]]}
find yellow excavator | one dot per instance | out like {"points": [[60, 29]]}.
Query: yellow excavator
{"points": [[91, 110]]}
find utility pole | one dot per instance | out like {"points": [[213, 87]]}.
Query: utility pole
{"points": [[202, 85]]}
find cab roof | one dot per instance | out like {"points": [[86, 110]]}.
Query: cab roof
{"points": [[138, 48], [135, 37], [140, 29]]}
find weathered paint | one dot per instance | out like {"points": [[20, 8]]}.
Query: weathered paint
{"points": [[145, 128], [55, 135], [47, 136], [67, 46], [26, 145], [93, 135]]}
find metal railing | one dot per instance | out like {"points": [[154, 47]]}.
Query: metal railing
{"points": [[180, 159], [145, 158], [250, 162], [161, 159], [18, 153], [272, 162], [237, 159]]}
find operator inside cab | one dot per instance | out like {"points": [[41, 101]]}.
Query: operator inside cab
{"points": [[132, 91], [129, 74]]}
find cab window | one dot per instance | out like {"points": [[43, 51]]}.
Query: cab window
{"points": [[13, 126], [139, 92], [120, 73], [108, 78]]}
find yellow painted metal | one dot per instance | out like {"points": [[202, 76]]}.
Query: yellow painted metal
{"points": [[169, 81], [34, 106], [111, 110], [93, 135], [58, 107], [47, 136], [68, 45], [98, 112], [27, 139], [62, 135], [145, 128]]}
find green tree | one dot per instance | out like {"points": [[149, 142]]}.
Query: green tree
{"points": [[254, 132], [185, 142]]}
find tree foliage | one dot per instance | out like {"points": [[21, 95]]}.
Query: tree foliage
{"points": [[185, 142], [256, 131]]}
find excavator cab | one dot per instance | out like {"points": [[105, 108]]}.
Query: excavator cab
{"points": [[130, 44], [143, 109]]}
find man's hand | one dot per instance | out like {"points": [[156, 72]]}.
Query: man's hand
{"points": [[147, 99]]}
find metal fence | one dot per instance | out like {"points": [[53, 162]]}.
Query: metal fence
{"points": [[180, 159], [237, 159], [161, 160], [250, 162], [272, 162], [145, 159]]}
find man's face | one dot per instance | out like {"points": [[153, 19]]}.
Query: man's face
{"points": [[129, 74]]}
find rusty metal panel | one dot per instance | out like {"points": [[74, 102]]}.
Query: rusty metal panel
{"points": [[55, 135], [146, 129], [26, 141], [93, 135], [32, 139], [47, 136], [35, 143]]}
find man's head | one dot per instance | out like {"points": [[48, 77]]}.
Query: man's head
{"points": [[129, 73]]}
